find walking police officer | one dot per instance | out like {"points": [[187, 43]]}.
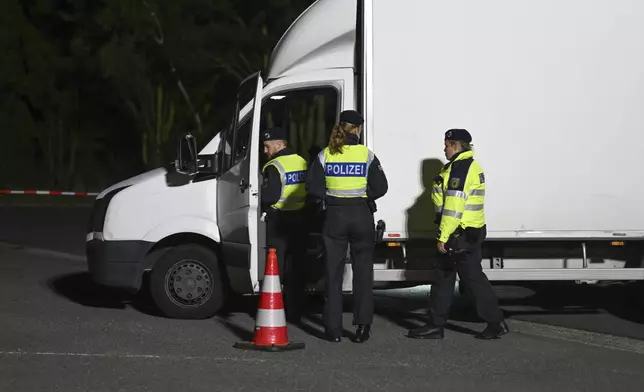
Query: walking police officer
{"points": [[347, 177], [458, 196], [283, 197]]}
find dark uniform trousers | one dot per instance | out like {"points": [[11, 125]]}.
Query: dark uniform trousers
{"points": [[286, 232], [343, 225], [467, 263]]}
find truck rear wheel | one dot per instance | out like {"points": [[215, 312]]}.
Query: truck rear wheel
{"points": [[186, 283]]}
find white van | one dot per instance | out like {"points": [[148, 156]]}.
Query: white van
{"points": [[552, 92]]}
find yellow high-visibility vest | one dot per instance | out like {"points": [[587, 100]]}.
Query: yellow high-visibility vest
{"points": [[346, 173], [292, 169], [458, 195]]}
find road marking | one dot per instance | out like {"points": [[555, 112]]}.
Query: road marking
{"points": [[578, 336], [128, 356]]}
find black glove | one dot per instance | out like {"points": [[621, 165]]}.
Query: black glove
{"points": [[379, 231], [457, 242]]}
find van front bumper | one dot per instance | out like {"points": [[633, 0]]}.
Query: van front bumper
{"points": [[118, 264]]}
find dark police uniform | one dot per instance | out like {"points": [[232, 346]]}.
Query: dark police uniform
{"points": [[283, 199], [458, 195], [348, 184]]}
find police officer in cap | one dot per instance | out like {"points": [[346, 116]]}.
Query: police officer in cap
{"points": [[348, 178], [458, 195], [283, 198]]}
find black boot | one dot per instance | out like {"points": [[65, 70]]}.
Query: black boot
{"points": [[493, 331], [332, 338], [363, 333], [428, 331]]}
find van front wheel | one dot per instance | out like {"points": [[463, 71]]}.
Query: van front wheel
{"points": [[186, 283]]}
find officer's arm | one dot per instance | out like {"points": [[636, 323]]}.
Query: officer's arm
{"points": [[437, 197], [271, 187], [377, 184], [453, 208], [315, 181]]}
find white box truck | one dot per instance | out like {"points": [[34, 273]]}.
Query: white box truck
{"points": [[551, 90]]}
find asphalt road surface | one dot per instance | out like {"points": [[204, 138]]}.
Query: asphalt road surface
{"points": [[56, 228], [59, 332]]}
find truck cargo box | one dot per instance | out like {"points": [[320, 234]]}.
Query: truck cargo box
{"points": [[552, 92]]}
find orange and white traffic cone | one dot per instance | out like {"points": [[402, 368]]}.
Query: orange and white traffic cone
{"points": [[271, 332]]}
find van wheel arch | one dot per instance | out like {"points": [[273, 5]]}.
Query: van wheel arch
{"points": [[175, 240], [167, 254]]}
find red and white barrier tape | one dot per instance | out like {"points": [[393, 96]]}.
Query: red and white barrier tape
{"points": [[52, 193]]}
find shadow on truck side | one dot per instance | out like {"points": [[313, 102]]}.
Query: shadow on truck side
{"points": [[420, 219], [420, 216]]}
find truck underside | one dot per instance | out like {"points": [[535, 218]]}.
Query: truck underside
{"points": [[522, 260], [411, 262]]}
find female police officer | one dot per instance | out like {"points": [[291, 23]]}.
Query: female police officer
{"points": [[347, 177], [458, 196]]}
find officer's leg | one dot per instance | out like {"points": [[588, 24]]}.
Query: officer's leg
{"points": [[440, 301], [335, 246], [442, 292], [471, 272], [287, 271], [275, 239], [362, 250], [296, 250]]}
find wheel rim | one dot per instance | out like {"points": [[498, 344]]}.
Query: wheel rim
{"points": [[188, 283]]}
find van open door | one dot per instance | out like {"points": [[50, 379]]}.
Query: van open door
{"points": [[238, 188]]}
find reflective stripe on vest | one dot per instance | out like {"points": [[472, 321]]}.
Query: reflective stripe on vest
{"points": [[292, 169], [346, 173], [473, 209]]}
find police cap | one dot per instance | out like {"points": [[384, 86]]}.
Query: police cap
{"points": [[351, 117], [458, 135], [275, 133]]}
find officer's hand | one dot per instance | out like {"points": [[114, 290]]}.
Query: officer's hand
{"points": [[441, 247]]}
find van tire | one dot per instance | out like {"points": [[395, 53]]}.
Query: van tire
{"points": [[186, 283]]}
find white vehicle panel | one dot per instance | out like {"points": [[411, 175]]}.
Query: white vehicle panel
{"points": [[133, 180], [323, 37], [552, 92], [153, 209]]}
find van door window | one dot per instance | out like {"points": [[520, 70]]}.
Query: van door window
{"points": [[307, 116], [242, 141], [226, 150], [235, 147]]}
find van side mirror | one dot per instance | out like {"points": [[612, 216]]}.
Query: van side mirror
{"points": [[186, 162]]}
